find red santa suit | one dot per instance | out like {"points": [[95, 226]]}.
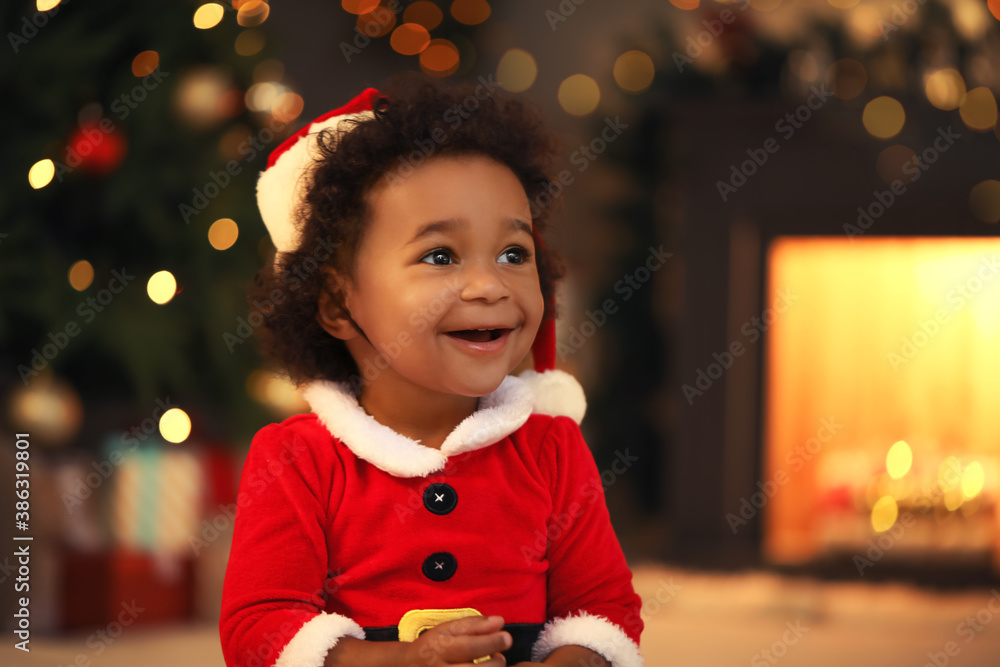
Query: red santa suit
{"points": [[345, 525]]}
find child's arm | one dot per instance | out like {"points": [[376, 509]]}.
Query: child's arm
{"points": [[275, 591], [591, 603]]}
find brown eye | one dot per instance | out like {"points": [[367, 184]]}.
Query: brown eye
{"points": [[438, 256], [515, 255]]}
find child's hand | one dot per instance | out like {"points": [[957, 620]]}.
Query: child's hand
{"points": [[459, 642]]}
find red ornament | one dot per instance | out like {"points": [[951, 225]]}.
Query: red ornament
{"points": [[98, 147]]}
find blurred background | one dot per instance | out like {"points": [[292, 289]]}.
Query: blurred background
{"points": [[779, 219]]}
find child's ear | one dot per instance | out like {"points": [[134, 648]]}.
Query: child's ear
{"points": [[330, 314]]}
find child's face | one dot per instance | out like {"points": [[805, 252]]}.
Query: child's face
{"points": [[448, 250]]}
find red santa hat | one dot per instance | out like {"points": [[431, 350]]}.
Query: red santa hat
{"points": [[281, 188]]}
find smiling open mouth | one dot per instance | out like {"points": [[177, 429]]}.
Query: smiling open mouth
{"points": [[478, 335]]}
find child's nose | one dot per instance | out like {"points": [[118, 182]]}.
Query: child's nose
{"points": [[482, 280]]}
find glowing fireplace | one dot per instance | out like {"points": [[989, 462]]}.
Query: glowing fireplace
{"points": [[882, 399]]}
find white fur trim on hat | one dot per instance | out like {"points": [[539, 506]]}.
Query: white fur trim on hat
{"points": [[557, 393], [589, 631], [282, 188], [309, 646]]}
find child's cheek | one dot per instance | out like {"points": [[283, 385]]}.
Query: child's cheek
{"points": [[417, 321]]}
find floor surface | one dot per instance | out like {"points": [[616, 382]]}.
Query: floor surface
{"points": [[692, 619]]}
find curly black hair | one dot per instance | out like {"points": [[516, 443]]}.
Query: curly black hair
{"points": [[415, 118]]}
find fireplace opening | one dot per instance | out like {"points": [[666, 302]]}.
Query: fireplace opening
{"points": [[881, 438]]}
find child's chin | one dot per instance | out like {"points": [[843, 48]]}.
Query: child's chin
{"points": [[479, 387]]}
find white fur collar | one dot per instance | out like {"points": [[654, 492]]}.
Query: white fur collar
{"points": [[500, 413]]}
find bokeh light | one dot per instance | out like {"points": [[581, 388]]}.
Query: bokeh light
{"points": [[579, 95], [162, 287], [287, 107], [359, 6], [984, 200], [175, 425], [440, 58], [898, 460], [944, 88], [208, 16], [252, 13], [979, 109], [145, 63], [81, 275], [409, 39], [46, 5], [846, 78], [249, 42], [41, 173], [883, 117], [517, 70], [864, 25], [634, 71], [260, 96], [276, 391], [423, 13], [379, 22], [973, 479], [223, 233], [884, 514], [470, 12], [685, 4]]}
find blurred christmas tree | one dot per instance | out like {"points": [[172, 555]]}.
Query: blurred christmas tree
{"points": [[137, 122], [140, 134]]}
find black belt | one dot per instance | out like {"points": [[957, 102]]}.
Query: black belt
{"points": [[524, 635]]}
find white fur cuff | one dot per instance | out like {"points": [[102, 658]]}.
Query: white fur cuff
{"points": [[309, 646], [594, 632]]}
